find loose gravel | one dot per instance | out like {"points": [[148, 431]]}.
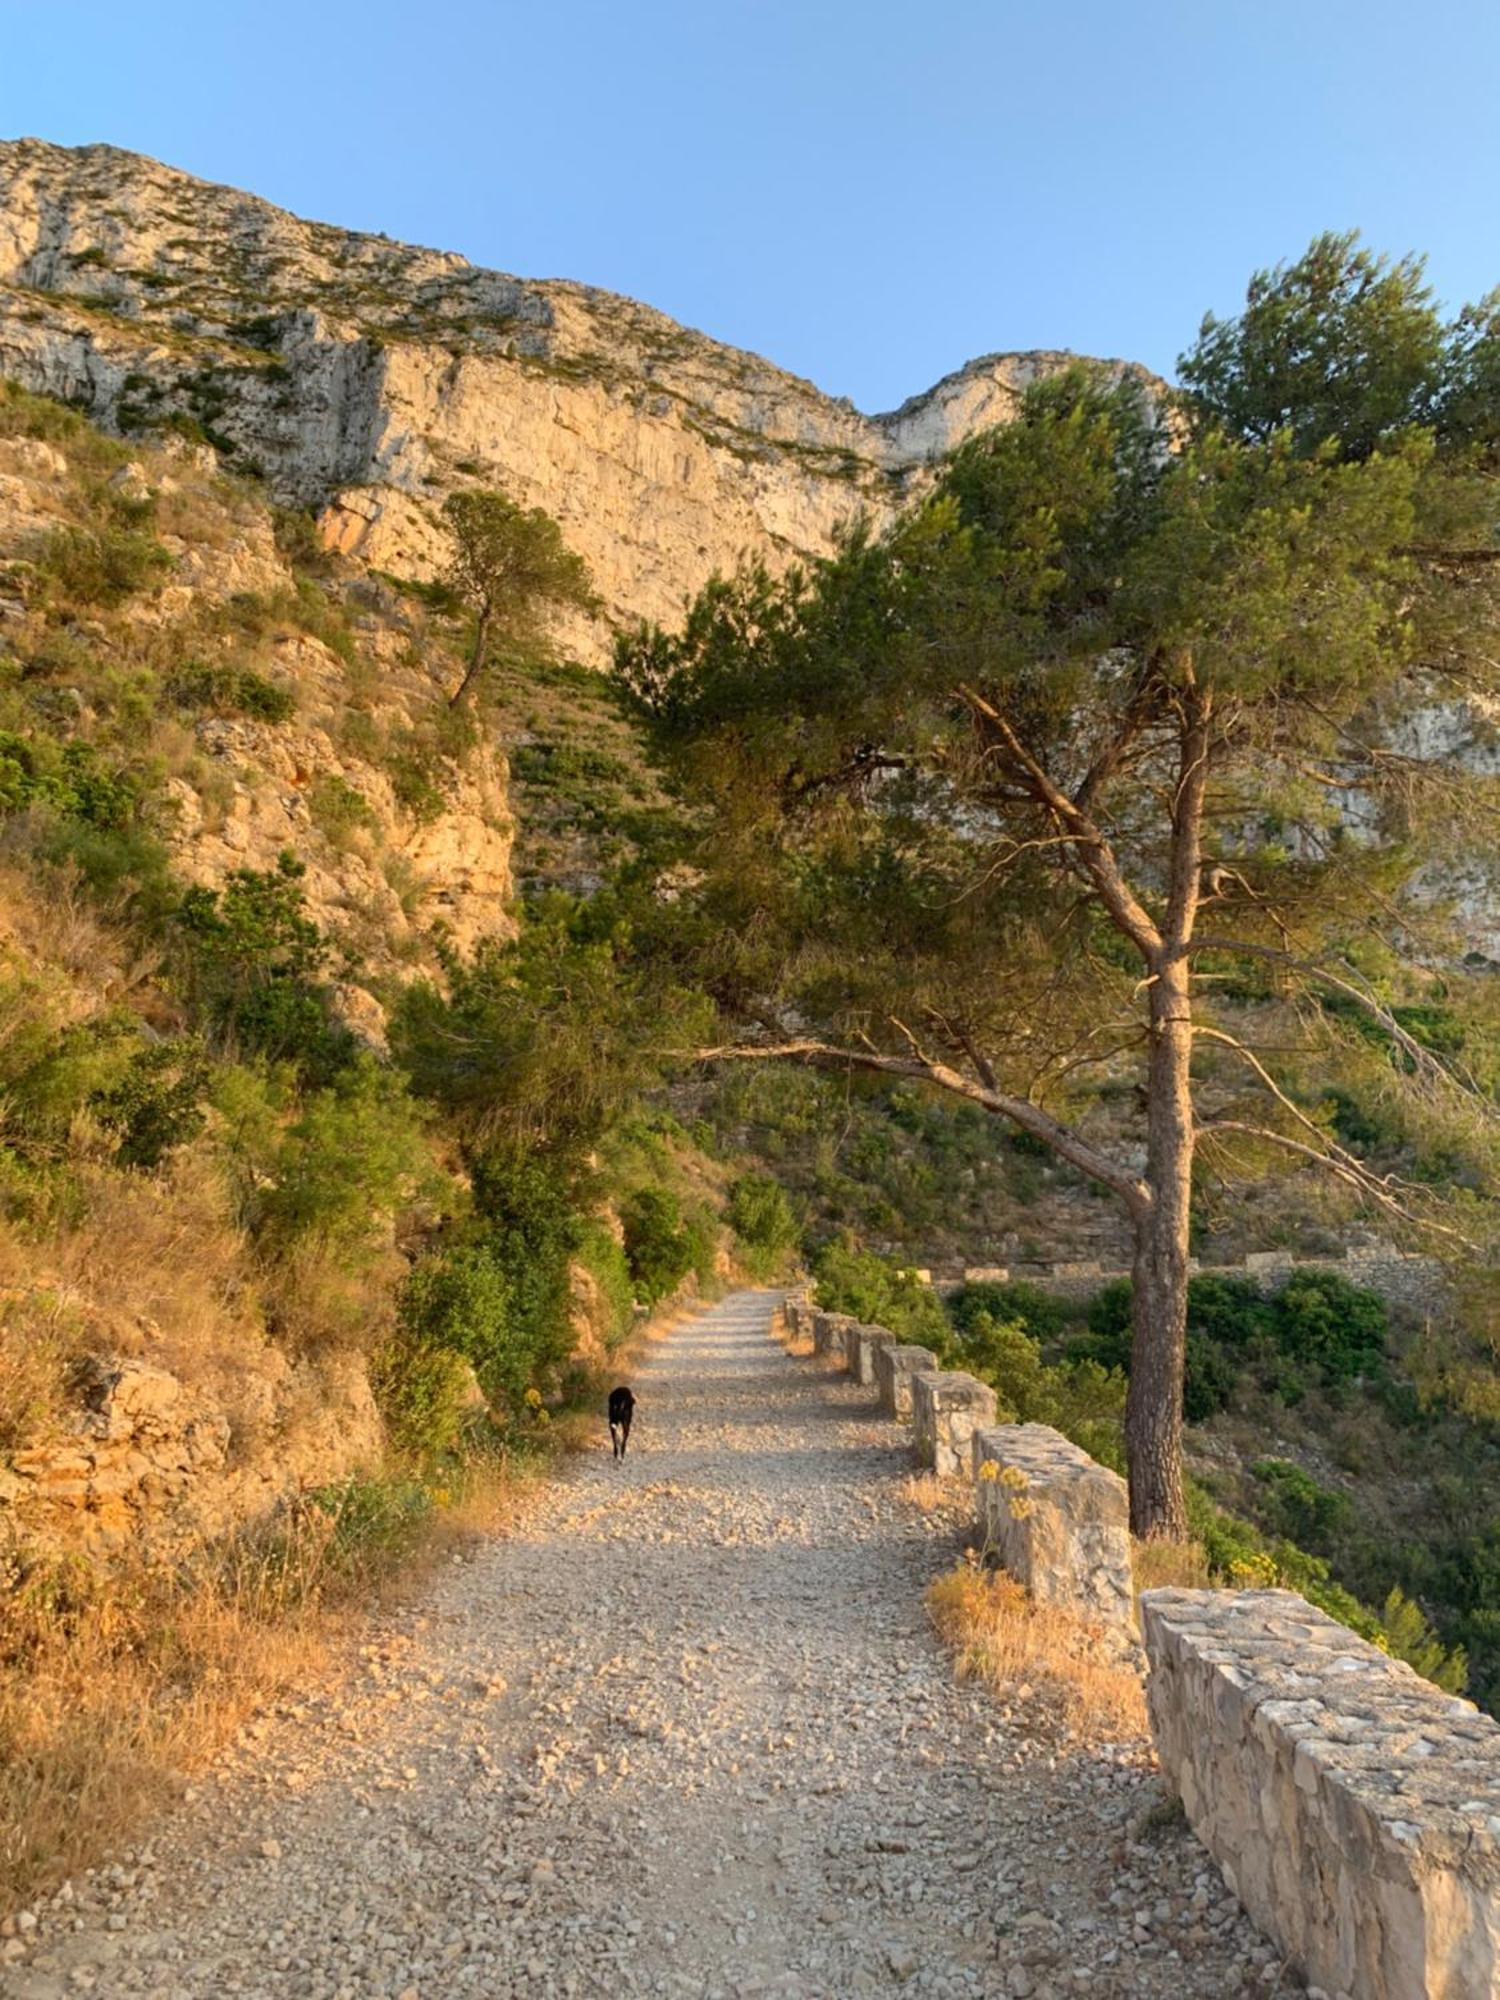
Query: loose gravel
{"points": [[684, 1732]]}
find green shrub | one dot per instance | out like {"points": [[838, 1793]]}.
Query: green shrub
{"points": [[157, 1104], [422, 1392], [883, 1293], [71, 779], [374, 1521], [1335, 1328], [230, 690], [703, 1235], [603, 1257], [254, 963], [458, 1302], [339, 810], [761, 1215], [1079, 1398], [1319, 1329], [416, 782], [659, 1248], [1043, 1316], [759, 1212], [100, 565], [1298, 1507], [346, 1164], [1239, 1554], [530, 1211]]}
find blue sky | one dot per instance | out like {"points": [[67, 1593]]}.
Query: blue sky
{"points": [[868, 191]]}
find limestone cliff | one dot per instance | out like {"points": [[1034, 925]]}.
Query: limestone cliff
{"points": [[367, 378]]}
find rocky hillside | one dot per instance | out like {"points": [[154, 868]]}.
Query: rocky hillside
{"points": [[292, 709], [368, 378]]}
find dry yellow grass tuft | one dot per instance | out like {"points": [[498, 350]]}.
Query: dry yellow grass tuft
{"points": [[799, 1346], [1169, 1565], [117, 1683], [924, 1490], [1000, 1635]]}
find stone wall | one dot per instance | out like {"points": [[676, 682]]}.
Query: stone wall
{"points": [[1416, 1284], [864, 1353], [828, 1332], [895, 1366], [1353, 1807]]}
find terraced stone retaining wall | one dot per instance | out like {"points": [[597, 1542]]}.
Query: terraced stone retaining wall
{"points": [[1416, 1283]]}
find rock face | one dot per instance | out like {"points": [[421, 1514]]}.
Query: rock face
{"points": [[155, 1464], [369, 378], [1354, 1808], [1059, 1522]]}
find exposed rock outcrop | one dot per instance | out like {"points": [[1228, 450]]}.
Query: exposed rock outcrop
{"points": [[368, 378], [157, 1464]]}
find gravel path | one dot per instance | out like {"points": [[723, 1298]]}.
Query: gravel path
{"points": [[684, 1732]]}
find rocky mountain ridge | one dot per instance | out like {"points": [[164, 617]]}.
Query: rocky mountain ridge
{"points": [[367, 378]]}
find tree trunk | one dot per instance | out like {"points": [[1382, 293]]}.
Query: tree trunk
{"points": [[476, 658], [1153, 1411]]}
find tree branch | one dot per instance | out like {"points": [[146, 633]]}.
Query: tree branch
{"points": [[1368, 1184], [1095, 855], [1019, 1110], [1422, 1058]]}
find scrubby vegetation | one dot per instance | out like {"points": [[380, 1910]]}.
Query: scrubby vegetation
{"points": [[269, 1116], [206, 1161]]}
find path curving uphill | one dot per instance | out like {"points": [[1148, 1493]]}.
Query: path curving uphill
{"points": [[684, 1733]]}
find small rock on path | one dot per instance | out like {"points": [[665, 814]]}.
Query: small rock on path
{"points": [[684, 1733]]}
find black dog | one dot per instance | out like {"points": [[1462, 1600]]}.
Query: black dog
{"points": [[621, 1409]]}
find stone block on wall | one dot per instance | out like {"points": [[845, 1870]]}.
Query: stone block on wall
{"points": [[828, 1335], [1057, 1520], [1353, 1807], [947, 1408], [895, 1365], [865, 1343]]}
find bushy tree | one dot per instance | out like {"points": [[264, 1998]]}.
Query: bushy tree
{"points": [[1119, 714], [659, 1245], [536, 1043], [511, 566], [760, 1213], [256, 965]]}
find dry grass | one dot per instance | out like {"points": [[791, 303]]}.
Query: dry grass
{"points": [[925, 1491], [118, 1684], [998, 1634], [1168, 1566], [798, 1346]]}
